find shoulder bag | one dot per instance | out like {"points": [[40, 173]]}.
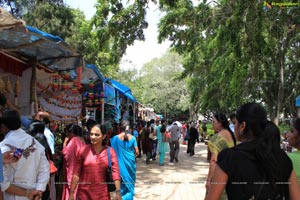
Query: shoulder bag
{"points": [[109, 180], [53, 168]]}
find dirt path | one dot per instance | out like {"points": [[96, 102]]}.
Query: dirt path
{"points": [[184, 180]]}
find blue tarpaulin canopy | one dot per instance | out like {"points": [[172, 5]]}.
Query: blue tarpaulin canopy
{"points": [[35, 45], [27, 44], [123, 89], [91, 74]]}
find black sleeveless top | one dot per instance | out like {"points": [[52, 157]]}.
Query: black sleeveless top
{"points": [[246, 179]]}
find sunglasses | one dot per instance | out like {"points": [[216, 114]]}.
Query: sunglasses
{"points": [[95, 134]]}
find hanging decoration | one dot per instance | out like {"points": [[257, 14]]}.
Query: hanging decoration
{"points": [[2, 85], [55, 82], [17, 90], [60, 99], [66, 75], [8, 87], [94, 95], [79, 73]]}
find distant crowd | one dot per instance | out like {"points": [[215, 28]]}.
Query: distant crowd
{"points": [[248, 158]]}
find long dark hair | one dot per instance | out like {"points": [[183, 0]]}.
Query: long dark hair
{"points": [[75, 129], [297, 125], [36, 130], [266, 135], [221, 117], [103, 130]]}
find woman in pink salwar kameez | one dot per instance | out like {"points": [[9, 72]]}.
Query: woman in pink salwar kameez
{"points": [[71, 145], [91, 168]]}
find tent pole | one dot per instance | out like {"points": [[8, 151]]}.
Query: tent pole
{"points": [[102, 105], [134, 112], [33, 98]]}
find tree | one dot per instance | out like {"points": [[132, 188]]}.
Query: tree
{"points": [[117, 25], [52, 18], [158, 85], [236, 51], [20, 7]]}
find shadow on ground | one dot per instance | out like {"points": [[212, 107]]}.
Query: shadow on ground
{"points": [[172, 180]]}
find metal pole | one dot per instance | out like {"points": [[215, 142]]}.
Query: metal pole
{"points": [[102, 105]]}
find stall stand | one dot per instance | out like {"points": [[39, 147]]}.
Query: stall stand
{"points": [[146, 113], [60, 95], [93, 100], [125, 103], [15, 78]]}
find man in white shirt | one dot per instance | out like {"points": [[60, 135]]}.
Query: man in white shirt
{"points": [[174, 142], [27, 178]]}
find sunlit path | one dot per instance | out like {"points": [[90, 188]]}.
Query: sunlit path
{"points": [[182, 180]]}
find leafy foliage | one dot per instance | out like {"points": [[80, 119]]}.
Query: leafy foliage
{"points": [[118, 25], [52, 18], [159, 86], [234, 52]]}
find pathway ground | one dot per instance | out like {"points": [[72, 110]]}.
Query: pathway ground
{"points": [[184, 180]]}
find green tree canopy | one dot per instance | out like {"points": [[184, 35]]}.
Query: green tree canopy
{"points": [[234, 52], [158, 85]]}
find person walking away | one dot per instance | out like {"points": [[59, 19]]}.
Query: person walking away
{"points": [[91, 168], [71, 145], [193, 137], [30, 175], [183, 129], [140, 127], [223, 138], [294, 141], [163, 142], [133, 131], [147, 142], [126, 149], [258, 164], [158, 126], [174, 142], [153, 129]]}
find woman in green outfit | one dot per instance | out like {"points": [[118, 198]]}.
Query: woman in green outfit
{"points": [[224, 138], [294, 141]]}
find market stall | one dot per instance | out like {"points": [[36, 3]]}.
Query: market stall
{"points": [[47, 71], [125, 104]]}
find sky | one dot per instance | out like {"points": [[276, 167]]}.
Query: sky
{"points": [[142, 51]]}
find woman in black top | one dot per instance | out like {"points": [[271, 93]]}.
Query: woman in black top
{"points": [[256, 168]]}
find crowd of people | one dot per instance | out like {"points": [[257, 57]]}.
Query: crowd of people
{"points": [[246, 157], [254, 167]]}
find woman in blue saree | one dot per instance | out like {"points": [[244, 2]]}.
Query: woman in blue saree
{"points": [[125, 146]]}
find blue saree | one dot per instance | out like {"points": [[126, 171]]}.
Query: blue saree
{"points": [[127, 164]]}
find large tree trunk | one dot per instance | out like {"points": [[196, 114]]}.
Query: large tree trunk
{"points": [[281, 66], [280, 96]]}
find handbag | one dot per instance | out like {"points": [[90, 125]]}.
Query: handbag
{"points": [[167, 136], [109, 180], [53, 168]]}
